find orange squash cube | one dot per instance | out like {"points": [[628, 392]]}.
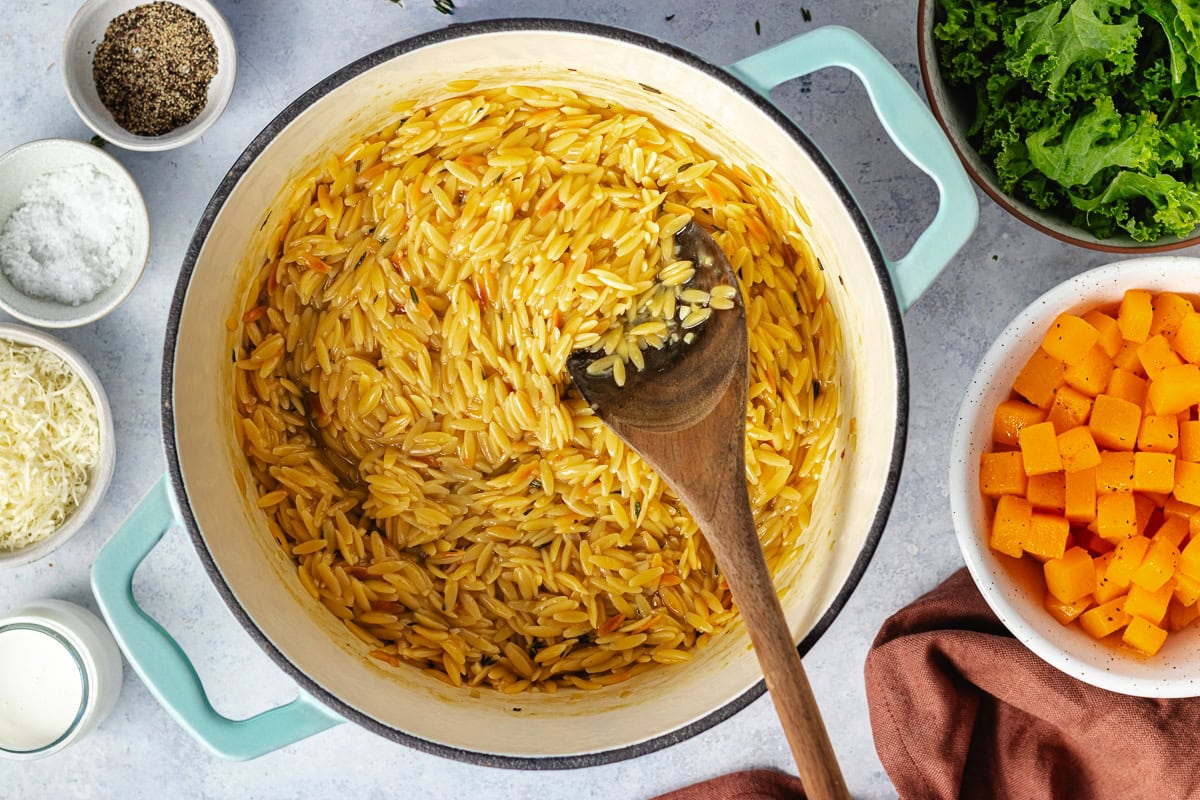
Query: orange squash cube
{"points": [[1127, 358], [1153, 472], [1047, 492], [1126, 560], [1041, 375], [1158, 434], [1010, 525], [1070, 338], [1039, 448], [1189, 440], [1110, 331], [1128, 386], [1189, 560], [1187, 482], [1105, 619], [1144, 636], [1079, 496], [1187, 590], [1187, 338], [1106, 588], [1173, 530], [1156, 355], [1135, 315], [1066, 613], [1115, 473], [1077, 450], [1072, 576], [1180, 615], [1149, 605], [1115, 422], [1070, 409], [1175, 389], [1175, 507], [1002, 473], [1010, 417], [1169, 309], [1047, 535], [1158, 566], [1090, 374], [1116, 516]]}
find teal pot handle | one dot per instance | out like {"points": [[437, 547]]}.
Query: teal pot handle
{"points": [[163, 665], [907, 121]]}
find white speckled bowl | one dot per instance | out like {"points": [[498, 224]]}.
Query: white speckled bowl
{"points": [[18, 168], [86, 31], [1013, 588], [101, 473]]}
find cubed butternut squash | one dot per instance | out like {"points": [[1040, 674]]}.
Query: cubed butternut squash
{"points": [[1066, 613], [1187, 590], [1010, 417], [1128, 386], [1175, 389], [1143, 635], [1106, 588], [1079, 496], [1070, 338], [1135, 315], [1090, 375], [1047, 492], [1158, 434], [1179, 614], [1156, 355], [1071, 576], [1105, 619], [1153, 472], [1149, 605], [1126, 559], [1189, 560], [1115, 473], [1039, 449], [1002, 473], [1187, 338], [1010, 525], [1189, 440], [1169, 309], [1158, 566], [1115, 422], [1070, 409], [1077, 450], [1047, 536], [1041, 375], [1116, 516], [1187, 482], [1127, 358], [1173, 529], [1110, 331]]}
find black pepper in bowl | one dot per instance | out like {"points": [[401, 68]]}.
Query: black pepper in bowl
{"points": [[153, 67]]}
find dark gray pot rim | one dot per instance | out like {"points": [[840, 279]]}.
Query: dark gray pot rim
{"points": [[256, 147]]}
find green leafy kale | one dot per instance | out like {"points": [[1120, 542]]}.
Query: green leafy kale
{"points": [[1089, 109]]}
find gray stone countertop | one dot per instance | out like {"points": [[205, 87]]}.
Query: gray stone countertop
{"points": [[283, 49]]}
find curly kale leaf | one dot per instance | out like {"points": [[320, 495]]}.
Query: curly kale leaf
{"points": [[1145, 206], [1092, 38], [1097, 140]]}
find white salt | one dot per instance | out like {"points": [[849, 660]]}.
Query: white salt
{"points": [[69, 238]]}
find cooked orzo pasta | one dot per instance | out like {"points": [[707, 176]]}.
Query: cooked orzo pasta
{"points": [[404, 406]]}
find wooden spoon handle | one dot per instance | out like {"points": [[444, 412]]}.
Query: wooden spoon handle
{"points": [[740, 556]]}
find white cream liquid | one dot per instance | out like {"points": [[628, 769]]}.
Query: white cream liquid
{"points": [[41, 689]]}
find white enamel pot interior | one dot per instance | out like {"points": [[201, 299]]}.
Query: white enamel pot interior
{"points": [[212, 482], [1014, 587]]}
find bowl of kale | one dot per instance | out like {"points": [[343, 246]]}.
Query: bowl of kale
{"points": [[1080, 117]]}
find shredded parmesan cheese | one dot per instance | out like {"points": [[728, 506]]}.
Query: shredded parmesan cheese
{"points": [[49, 442]]}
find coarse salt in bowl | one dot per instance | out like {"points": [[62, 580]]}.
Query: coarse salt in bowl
{"points": [[34, 163], [100, 473], [86, 31], [1013, 587]]}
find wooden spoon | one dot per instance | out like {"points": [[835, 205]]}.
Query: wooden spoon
{"points": [[685, 415]]}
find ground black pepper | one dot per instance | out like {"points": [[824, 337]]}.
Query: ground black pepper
{"points": [[153, 67]]}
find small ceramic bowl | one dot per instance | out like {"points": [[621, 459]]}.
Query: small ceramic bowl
{"points": [[953, 110], [61, 671], [84, 34], [18, 168], [1014, 588], [101, 473]]}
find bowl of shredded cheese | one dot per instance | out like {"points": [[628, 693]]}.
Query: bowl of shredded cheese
{"points": [[56, 444], [74, 233]]}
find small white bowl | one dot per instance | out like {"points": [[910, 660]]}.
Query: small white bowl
{"points": [[18, 168], [62, 674], [101, 473], [1014, 588], [84, 34]]}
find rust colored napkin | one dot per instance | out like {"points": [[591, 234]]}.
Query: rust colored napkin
{"points": [[754, 784], [961, 710]]}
